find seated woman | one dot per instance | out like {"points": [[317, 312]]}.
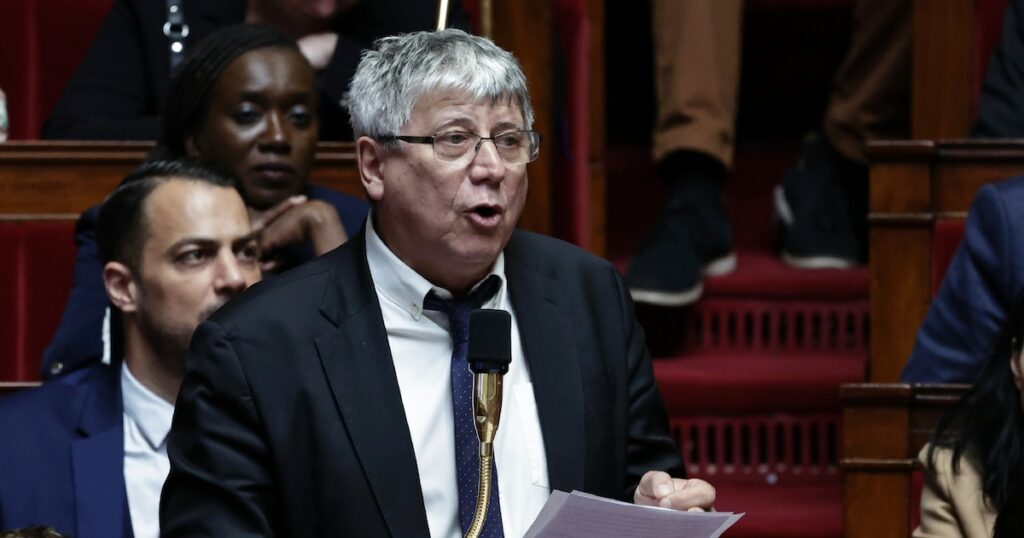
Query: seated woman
{"points": [[974, 464], [245, 101]]}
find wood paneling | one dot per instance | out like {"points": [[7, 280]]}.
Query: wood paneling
{"points": [[9, 387], [48, 179], [941, 78], [884, 426]]}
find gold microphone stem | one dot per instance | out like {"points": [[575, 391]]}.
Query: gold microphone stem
{"points": [[487, 18], [442, 14], [483, 496]]}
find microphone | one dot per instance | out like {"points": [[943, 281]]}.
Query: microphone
{"points": [[489, 353]]}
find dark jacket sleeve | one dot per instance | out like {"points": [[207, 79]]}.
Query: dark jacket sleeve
{"points": [[1001, 102], [78, 340], [650, 446], [967, 319], [220, 482], [109, 98]]}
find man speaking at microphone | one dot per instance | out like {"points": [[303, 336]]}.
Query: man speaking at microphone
{"points": [[332, 400]]}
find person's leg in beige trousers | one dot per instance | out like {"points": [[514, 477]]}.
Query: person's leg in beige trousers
{"points": [[823, 198], [696, 62]]}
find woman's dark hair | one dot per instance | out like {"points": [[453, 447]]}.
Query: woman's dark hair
{"points": [[987, 424], [189, 96]]}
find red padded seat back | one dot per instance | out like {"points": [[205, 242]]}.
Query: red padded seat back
{"points": [[34, 284], [946, 236], [41, 45]]}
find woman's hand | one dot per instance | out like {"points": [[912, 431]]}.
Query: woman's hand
{"points": [[295, 220]]}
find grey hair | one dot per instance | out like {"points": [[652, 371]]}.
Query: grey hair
{"points": [[399, 70]]}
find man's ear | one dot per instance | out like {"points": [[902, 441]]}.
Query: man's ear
{"points": [[121, 286], [369, 154]]}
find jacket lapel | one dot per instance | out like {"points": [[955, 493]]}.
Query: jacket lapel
{"points": [[97, 460], [554, 371], [361, 373]]}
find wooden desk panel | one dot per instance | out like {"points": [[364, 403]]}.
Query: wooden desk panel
{"points": [[69, 177], [10, 387], [47, 179], [884, 427], [913, 183]]}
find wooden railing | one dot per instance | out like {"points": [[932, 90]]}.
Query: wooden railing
{"points": [[884, 427], [7, 388], [914, 183]]}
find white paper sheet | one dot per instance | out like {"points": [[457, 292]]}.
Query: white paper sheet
{"points": [[578, 514]]}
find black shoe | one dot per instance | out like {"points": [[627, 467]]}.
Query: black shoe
{"points": [[687, 242], [822, 206]]}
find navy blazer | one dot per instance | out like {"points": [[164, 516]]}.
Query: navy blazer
{"points": [[77, 342], [290, 420], [62, 454], [967, 321]]}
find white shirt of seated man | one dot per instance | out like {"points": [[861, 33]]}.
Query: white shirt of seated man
{"points": [[201, 253]]}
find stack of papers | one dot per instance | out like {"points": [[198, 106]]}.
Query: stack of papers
{"points": [[578, 514]]}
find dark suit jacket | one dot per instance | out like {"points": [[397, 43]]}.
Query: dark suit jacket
{"points": [[290, 421], [969, 317], [77, 341], [118, 91], [62, 454]]}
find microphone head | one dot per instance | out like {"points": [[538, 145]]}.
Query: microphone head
{"points": [[490, 341]]}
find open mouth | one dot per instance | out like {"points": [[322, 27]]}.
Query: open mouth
{"points": [[485, 215], [486, 211]]}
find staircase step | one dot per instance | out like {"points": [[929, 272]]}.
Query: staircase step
{"points": [[803, 511], [723, 383]]}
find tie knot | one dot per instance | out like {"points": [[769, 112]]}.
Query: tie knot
{"points": [[458, 309]]}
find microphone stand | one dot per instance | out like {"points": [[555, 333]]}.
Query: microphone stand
{"points": [[442, 15], [490, 352], [487, 392]]}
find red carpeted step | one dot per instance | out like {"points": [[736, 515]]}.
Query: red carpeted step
{"points": [[794, 511], [712, 382]]}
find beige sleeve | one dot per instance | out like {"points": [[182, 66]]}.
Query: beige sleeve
{"points": [[939, 518]]}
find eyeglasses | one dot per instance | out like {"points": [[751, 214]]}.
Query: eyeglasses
{"points": [[514, 147]]}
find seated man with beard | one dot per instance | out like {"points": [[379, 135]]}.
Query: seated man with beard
{"points": [[87, 454]]}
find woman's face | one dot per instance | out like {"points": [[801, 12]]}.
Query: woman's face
{"points": [[261, 125]]}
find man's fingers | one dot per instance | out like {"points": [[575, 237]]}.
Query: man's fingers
{"points": [[653, 486], [693, 494]]}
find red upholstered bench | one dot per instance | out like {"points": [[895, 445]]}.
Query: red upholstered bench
{"points": [[946, 237], [41, 45], [34, 282]]}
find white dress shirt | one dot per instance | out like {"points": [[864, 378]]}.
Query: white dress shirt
{"points": [[147, 420], [422, 349]]}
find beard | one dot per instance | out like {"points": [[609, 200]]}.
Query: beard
{"points": [[170, 341]]}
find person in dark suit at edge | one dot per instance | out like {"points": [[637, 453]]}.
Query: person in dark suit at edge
{"points": [[86, 454], [321, 403], [118, 91]]}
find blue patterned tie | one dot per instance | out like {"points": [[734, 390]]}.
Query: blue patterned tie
{"points": [[467, 444]]}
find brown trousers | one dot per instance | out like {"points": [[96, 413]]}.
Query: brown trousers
{"points": [[697, 66]]}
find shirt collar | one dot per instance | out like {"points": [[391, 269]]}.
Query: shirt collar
{"points": [[403, 286], [151, 413]]}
